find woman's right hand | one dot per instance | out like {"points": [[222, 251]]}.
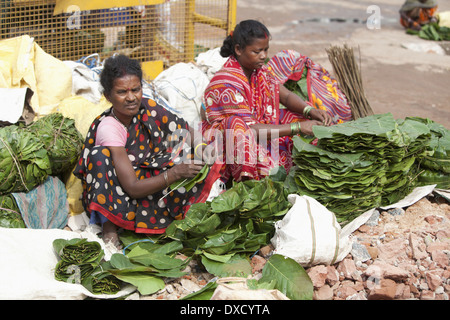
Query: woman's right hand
{"points": [[306, 126], [186, 170]]}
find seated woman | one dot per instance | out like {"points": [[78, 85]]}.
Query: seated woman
{"points": [[252, 134], [416, 13], [132, 153]]}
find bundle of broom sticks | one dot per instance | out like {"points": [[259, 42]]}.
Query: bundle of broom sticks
{"points": [[348, 75]]}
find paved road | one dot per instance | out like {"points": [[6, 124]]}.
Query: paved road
{"points": [[396, 79]]}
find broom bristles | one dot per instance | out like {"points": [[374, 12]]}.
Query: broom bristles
{"points": [[348, 76]]}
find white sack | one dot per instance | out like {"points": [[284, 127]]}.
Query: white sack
{"points": [[183, 85], [310, 234], [27, 266]]}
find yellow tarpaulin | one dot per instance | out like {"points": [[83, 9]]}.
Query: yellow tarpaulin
{"points": [[23, 64], [69, 6]]}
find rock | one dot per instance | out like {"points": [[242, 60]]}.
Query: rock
{"points": [[266, 251], [373, 251], [396, 211], [392, 250], [386, 290], [345, 291], [359, 252], [433, 280], [381, 270], [323, 293], [318, 275], [418, 247], [257, 263], [348, 269], [373, 220], [332, 275], [189, 286], [440, 258]]}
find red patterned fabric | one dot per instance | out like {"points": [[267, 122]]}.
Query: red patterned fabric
{"points": [[323, 89]]}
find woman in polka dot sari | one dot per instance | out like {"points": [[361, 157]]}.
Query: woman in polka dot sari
{"points": [[132, 153]]}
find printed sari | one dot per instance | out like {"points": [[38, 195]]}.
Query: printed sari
{"points": [[156, 141]]}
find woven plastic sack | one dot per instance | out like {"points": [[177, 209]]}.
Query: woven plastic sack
{"points": [[310, 234]]}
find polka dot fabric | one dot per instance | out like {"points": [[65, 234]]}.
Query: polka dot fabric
{"points": [[156, 141]]}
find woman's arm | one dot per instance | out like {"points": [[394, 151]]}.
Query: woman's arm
{"points": [[141, 188]]}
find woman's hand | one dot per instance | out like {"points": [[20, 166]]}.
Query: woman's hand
{"points": [[185, 170], [321, 115]]}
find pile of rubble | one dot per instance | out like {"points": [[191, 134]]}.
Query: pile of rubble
{"points": [[397, 255]]}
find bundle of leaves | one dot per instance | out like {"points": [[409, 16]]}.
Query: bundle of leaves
{"points": [[360, 164], [10, 216], [29, 154], [61, 139], [80, 263], [144, 266], [435, 161], [24, 161]]}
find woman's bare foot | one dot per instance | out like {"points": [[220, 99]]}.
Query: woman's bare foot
{"points": [[110, 234]]}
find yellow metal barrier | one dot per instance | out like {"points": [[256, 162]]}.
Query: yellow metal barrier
{"points": [[159, 33]]}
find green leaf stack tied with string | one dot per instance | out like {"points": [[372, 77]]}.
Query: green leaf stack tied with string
{"points": [[24, 162], [360, 164], [29, 154]]}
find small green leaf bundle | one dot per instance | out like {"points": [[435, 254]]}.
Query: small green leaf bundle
{"points": [[79, 259]]}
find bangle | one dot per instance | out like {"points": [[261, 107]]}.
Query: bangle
{"points": [[200, 144], [307, 110], [166, 177], [295, 128]]}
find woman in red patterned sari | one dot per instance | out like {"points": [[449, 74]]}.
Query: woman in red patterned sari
{"points": [[253, 135]]}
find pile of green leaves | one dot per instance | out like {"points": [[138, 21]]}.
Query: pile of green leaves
{"points": [[10, 216], [435, 161], [62, 141], [360, 164], [237, 222], [29, 154], [432, 31], [144, 266]]}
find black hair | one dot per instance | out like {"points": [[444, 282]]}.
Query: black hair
{"points": [[244, 34], [118, 66]]}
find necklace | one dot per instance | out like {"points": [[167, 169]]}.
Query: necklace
{"points": [[115, 117]]}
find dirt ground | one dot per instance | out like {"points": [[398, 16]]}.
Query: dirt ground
{"points": [[396, 78]]}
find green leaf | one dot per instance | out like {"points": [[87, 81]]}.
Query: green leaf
{"points": [[237, 266], [145, 283], [291, 278]]}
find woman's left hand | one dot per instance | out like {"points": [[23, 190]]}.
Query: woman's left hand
{"points": [[320, 115]]}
